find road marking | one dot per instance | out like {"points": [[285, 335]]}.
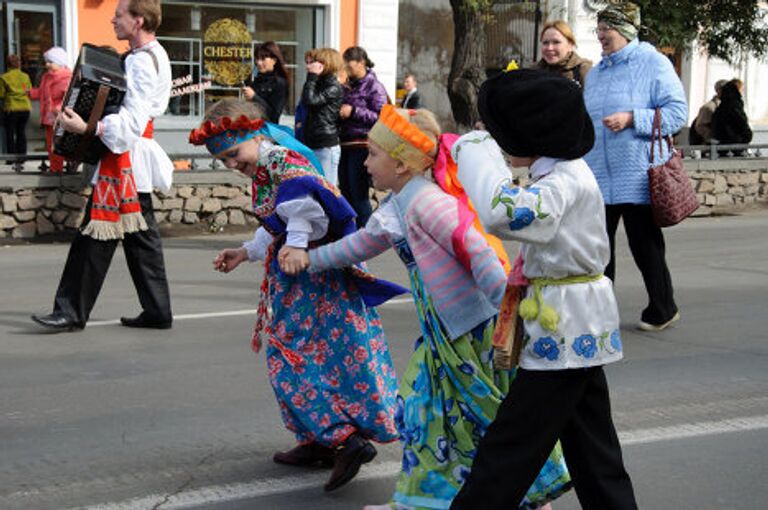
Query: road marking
{"points": [[229, 313], [283, 485]]}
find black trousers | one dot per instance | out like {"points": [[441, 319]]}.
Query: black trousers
{"points": [[88, 262], [542, 407], [646, 242], [15, 131], [355, 183]]}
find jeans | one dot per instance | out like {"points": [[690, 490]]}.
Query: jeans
{"points": [[355, 183], [329, 159]]}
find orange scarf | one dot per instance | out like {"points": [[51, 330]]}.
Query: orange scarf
{"points": [[115, 208]]}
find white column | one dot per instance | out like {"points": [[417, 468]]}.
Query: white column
{"points": [[377, 34], [71, 34]]}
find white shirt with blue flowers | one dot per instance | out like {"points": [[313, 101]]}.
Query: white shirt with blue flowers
{"points": [[560, 220]]}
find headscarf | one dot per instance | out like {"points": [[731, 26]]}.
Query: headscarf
{"points": [[299, 159], [623, 17], [405, 142], [57, 55]]}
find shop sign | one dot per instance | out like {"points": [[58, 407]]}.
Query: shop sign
{"points": [[228, 51]]}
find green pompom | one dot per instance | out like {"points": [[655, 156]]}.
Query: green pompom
{"points": [[529, 309], [549, 318]]}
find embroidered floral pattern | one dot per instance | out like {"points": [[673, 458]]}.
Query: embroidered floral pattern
{"points": [[585, 345], [521, 216], [546, 347]]}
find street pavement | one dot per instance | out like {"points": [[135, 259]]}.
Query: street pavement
{"points": [[114, 418]]}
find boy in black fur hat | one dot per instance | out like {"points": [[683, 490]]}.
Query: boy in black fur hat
{"points": [[570, 317]]}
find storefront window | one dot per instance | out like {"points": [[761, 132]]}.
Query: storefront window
{"points": [[294, 29]]}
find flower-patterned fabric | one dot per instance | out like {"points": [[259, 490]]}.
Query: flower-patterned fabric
{"points": [[345, 382], [449, 395], [560, 221]]}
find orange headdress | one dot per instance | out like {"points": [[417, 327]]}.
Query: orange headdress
{"points": [[402, 140]]}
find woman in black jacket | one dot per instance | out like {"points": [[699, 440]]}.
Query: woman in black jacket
{"points": [[322, 97], [729, 122], [269, 88]]}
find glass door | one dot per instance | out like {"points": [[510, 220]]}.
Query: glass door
{"points": [[31, 29]]}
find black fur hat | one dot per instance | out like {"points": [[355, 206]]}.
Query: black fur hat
{"points": [[536, 113]]}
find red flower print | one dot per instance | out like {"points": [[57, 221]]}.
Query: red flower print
{"points": [[306, 324], [361, 354], [355, 409], [325, 421], [362, 387], [298, 400], [261, 176], [320, 359]]}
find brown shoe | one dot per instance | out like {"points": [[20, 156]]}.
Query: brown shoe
{"points": [[355, 452], [306, 455]]}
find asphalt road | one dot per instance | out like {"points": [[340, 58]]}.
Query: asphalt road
{"points": [[114, 418]]}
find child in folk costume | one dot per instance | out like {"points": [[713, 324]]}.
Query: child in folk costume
{"points": [[570, 316], [450, 391], [327, 355]]}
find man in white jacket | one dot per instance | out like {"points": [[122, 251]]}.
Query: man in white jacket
{"points": [[148, 74]]}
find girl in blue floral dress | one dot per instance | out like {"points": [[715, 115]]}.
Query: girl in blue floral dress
{"points": [[327, 355]]}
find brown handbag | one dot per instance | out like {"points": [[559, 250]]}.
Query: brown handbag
{"points": [[672, 197]]}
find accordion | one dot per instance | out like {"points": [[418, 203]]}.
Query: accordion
{"points": [[97, 89]]}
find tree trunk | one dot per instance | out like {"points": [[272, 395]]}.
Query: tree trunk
{"points": [[468, 64]]}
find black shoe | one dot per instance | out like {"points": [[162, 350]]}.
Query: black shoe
{"points": [[57, 321], [355, 452], [141, 321], [306, 455]]}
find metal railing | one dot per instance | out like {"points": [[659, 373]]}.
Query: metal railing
{"points": [[204, 162], [197, 161], [714, 151]]}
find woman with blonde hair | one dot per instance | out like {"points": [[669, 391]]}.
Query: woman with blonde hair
{"points": [[558, 52], [322, 97]]}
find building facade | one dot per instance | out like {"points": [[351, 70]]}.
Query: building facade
{"points": [[196, 33], [425, 48]]}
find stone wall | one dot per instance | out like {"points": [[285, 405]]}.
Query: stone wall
{"points": [[728, 185], [35, 205]]}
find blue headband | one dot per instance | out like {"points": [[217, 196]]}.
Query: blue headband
{"points": [[282, 135]]}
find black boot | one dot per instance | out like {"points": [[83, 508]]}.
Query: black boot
{"points": [[355, 452], [306, 455]]}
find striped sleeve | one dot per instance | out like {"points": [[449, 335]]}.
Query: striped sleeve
{"points": [[434, 217], [349, 250]]}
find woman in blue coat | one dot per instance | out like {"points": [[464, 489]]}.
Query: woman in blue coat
{"points": [[621, 94]]}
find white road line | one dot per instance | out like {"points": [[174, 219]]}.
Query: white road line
{"points": [[229, 313], [273, 486]]}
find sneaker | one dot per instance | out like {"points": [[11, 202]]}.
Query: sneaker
{"points": [[646, 326]]}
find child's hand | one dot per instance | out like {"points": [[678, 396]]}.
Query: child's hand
{"points": [[293, 260], [227, 260]]}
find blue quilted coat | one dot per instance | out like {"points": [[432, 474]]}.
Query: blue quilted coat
{"points": [[636, 78]]}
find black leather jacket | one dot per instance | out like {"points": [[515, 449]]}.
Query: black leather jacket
{"points": [[322, 97], [271, 93]]}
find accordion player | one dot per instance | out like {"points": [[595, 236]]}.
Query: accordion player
{"points": [[97, 89]]}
